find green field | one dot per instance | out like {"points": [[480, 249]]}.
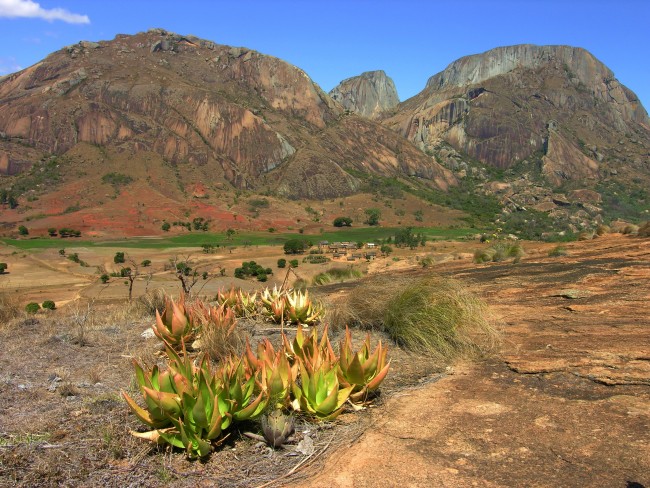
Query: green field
{"points": [[244, 238]]}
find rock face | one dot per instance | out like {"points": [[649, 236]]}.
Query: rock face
{"points": [[218, 113], [551, 105], [369, 94]]}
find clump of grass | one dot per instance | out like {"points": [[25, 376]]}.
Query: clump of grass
{"points": [[151, 301], [630, 229], [557, 251], [603, 229], [499, 252], [300, 284], [585, 236], [336, 275], [9, 307], [434, 316], [644, 230], [220, 342]]}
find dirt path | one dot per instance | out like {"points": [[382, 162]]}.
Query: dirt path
{"points": [[566, 404]]}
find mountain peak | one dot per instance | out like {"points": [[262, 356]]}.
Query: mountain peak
{"points": [[368, 94]]}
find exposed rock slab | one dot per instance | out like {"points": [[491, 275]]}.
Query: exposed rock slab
{"points": [[369, 94]]}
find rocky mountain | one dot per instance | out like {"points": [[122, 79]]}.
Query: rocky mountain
{"points": [[369, 94], [531, 124], [205, 113]]}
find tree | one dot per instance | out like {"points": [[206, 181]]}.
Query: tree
{"points": [[52, 232], [294, 263], [282, 263], [3, 267], [186, 273], [48, 305], [295, 246], [22, 230], [373, 216], [230, 233], [165, 227], [386, 249], [119, 257], [342, 222], [62, 252], [104, 278], [146, 263]]}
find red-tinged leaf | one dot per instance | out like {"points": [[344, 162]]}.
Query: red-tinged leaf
{"points": [[252, 410], [143, 415], [370, 366], [329, 404], [376, 381]]}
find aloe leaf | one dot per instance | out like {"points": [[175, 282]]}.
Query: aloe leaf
{"points": [[354, 373], [376, 381], [167, 402], [144, 415], [172, 438], [329, 404]]}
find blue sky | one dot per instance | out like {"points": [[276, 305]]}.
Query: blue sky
{"points": [[331, 40]]}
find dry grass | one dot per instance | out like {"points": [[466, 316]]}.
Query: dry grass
{"points": [[644, 230], [220, 342], [434, 316], [9, 307]]}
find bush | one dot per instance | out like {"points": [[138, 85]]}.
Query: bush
{"points": [[342, 222], [373, 216], [32, 307], [22, 230], [294, 263], [146, 263], [118, 258], [165, 227], [282, 263], [630, 229], [3, 267], [434, 316], [48, 305], [295, 246], [104, 278]]}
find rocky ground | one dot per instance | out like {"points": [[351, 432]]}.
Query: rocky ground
{"points": [[567, 403]]}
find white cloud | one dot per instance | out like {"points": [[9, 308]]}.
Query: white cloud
{"points": [[28, 8], [8, 65]]}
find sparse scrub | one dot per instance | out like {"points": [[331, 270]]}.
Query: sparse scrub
{"points": [[9, 307], [500, 251]]}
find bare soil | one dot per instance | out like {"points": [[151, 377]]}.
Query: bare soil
{"points": [[565, 403]]}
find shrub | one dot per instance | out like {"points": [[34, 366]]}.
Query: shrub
{"points": [[603, 229], [373, 216], [342, 222], [166, 226], [282, 263], [295, 246], [119, 257], [294, 263], [146, 263], [3, 267], [435, 316], [22, 230], [52, 232], [104, 278], [32, 307], [48, 305]]}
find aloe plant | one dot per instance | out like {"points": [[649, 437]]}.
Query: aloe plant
{"points": [[175, 326], [240, 391], [273, 303], [319, 393], [277, 427], [309, 349], [361, 370], [300, 309]]}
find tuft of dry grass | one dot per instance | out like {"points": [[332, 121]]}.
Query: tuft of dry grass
{"points": [[499, 252], [434, 316], [9, 307], [644, 230]]}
